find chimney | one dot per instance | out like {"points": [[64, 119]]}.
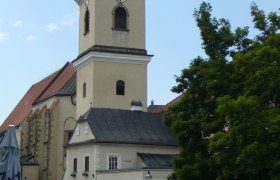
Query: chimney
{"points": [[136, 106]]}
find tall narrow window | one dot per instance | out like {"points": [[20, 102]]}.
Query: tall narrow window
{"points": [[87, 164], [75, 161], [86, 22], [47, 125], [120, 18], [120, 87], [84, 90]]}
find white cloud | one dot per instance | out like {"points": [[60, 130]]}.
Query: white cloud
{"points": [[17, 24], [30, 38], [52, 27], [3, 36], [69, 19]]}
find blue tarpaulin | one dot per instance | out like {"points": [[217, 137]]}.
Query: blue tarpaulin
{"points": [[9, 156]]}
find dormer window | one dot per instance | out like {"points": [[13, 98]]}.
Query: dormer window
{"points": [[120, 16], [86, 22], [120, 87]]}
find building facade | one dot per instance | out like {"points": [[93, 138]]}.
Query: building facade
{"points": [[110, 72], [112, 62], [120, 144]]}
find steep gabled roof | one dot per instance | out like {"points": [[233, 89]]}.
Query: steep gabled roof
{"points": [[59, 81], [38, 92], [69, 88], [128, 127]]}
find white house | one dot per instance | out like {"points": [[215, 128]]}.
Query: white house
{"points": [[120, 145]]}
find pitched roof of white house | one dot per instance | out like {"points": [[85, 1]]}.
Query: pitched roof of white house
{"points": [[128, 127]]}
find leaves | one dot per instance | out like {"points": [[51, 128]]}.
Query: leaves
{"points": [[228, 120]]}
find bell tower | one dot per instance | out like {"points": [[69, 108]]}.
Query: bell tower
{"points": [[112, 61], [117, 23]]}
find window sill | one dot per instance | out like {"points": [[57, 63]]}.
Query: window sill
{"points": [[73, 174], [120, 29], [86, 33], [85, 173]]}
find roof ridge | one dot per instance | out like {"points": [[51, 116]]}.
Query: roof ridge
{"points": [[52, 81]]}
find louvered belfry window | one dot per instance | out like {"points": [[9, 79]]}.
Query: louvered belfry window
{"points": [[86, 22], [120, 18]]}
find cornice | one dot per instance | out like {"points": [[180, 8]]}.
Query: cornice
{"points": [[94, 56], [79, 2]]}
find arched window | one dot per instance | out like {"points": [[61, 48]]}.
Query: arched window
{"points": [[84, 90], [120, 87], [120, 18], [86, 22]]}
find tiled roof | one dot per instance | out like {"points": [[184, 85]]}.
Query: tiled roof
{"points": [[152, 108], [128, 127], [70, 87], [165, 107], [157, 161], [42, 90], [63, 76]]}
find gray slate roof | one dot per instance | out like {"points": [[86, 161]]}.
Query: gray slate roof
{"points": [[128, 127], [70, 87], [152, 108], [157, 161]]}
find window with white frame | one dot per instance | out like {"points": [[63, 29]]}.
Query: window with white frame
{"points": [[113, 161]]}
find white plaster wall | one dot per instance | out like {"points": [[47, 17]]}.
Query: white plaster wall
{"points": [[81, 133], [98, 156], [133, 175], [129, 153]]}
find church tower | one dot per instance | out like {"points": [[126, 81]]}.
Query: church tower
{"points": [[112, 61]]}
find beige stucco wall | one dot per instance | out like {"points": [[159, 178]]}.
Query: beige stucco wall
{"points": [[84, 75], [101, 23], [63, 111], [106, 75], [61, 118], [30, 172], [101, 77]]}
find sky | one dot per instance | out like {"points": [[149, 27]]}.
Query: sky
{"points": [[39, 37]]}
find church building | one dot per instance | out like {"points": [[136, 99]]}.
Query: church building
{"points": [[89, 119]]}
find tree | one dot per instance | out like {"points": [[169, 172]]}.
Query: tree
{"points": [[228, 121]]}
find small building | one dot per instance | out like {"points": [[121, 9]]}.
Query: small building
{"points": [[120, 144]]}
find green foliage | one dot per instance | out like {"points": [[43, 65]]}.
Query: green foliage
{"points": [[228, 120]]}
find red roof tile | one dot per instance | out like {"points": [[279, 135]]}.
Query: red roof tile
{"points": [[58, 82], [42, 90], [165, 107]]}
